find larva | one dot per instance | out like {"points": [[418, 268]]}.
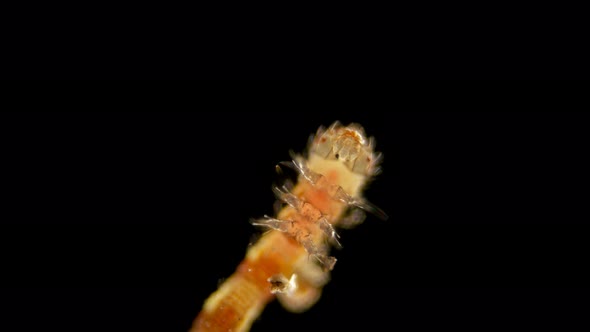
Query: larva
{"points": [[291, 262]]}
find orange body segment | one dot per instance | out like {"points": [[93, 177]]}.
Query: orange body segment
{"points": [[238, 301]]}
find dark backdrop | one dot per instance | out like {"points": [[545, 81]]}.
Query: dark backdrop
{"points": [[127, 219]]}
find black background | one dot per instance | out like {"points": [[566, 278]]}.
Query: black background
{"points": [[117, 217]]}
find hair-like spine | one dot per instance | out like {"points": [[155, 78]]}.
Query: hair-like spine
{"points": [[291, 262]]}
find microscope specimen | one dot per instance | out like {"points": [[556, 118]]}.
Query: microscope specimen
{"points": [[291, 261]]}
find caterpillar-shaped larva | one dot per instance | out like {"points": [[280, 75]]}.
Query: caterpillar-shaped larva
{"points": [[291, 262]]}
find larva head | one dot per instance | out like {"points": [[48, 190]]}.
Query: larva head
{"points": [[349, 145]]}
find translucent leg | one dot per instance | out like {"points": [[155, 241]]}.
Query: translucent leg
{"points": [[276, 224], [327, 228], [342, 196]]}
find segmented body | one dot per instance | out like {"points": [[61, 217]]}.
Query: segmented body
{"points": [[291, 262]]}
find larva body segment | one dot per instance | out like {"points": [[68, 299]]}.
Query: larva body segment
{"points": [[292, 261]]}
